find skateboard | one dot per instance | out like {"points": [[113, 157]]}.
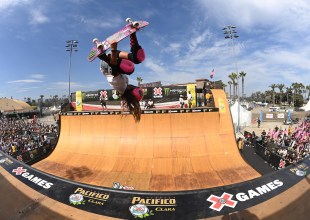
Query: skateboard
{"points": [[101, 47]]}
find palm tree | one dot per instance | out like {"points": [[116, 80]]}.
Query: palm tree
{"points": [[308, 90], [280, 87], [273, 86], [234, 77], [242, 74], [139, 80], [297, 89], [224, 86], [230, 83], [268, 94]]}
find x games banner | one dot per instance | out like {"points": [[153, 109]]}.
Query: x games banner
{"points": [[160, 92]]}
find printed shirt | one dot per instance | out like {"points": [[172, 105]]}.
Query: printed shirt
{"points": [[119, 82]]}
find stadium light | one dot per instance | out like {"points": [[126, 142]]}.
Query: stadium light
{"points": [[231, 33], [71, 46]]}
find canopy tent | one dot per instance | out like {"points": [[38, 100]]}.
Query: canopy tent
{"points": [[11, 105], [306, 107], [245, 116]]}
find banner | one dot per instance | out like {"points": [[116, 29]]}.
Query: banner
{"points": [[191, 88], [79, 101], [222, 108]]}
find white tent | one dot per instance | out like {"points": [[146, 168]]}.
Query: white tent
{"points": [[306, 107], [245, 116]]}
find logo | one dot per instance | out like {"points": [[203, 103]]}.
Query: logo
{"points": [[167, 91], [226, 199], [282, 164], [76, 199], [80, 196], [300, 169], [6, 161], [219, 202], [301, 173], [161, 204], [140, 211], [20, 157], [157, 92], [20, 171], [117, 185], [103, 94]]}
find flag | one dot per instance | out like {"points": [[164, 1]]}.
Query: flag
{"points": [[212, 74]]}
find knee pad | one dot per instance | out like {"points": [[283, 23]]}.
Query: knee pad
{"points": [[126, 66], [140, 55], [137, 54]]}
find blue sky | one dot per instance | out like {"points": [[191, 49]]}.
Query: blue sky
{"points": [[183, 42]]}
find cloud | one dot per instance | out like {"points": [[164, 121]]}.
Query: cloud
{"points": [[37, 76], [173, 48], [38, 17], [155, 67], [256, 13], [26, 81], [5, 4]]}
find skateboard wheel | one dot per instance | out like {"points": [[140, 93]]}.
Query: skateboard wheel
{"points": [[135, 24], [128, 20], [95, 40]]}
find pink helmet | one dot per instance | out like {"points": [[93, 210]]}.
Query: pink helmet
{"points": [[138, 93]]}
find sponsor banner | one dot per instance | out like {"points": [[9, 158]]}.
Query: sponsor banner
{"points": [[281, 115], [192, 89], [269, 116], [222, 108], [127, 202], [148, 111], [79, 103]]}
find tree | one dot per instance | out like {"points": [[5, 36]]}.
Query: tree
{"points": [[269, 96], [289, 95], [242, 74], [280, 87], [297, 90], [224, 86], [234, 76], [273, 86], [230, 83], [308, 90], [139, 80]]}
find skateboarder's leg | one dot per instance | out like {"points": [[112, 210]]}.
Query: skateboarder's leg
{"points": [[137, 54]]}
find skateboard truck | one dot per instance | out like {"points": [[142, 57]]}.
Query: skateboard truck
{"points": [[98, 43], [133, 23]]}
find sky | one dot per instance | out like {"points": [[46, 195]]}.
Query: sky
{"points": [[183, 42]]}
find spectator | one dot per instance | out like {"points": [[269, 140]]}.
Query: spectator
{"points": [[19, 135], [189, 99], [258, 122], [208, 98], [181, 101], [240, 144], [103, 101]]}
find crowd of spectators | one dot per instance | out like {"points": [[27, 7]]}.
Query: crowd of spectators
{"points": [[291, 145], [21, 135]]}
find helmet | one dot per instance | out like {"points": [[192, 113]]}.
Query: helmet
{"points": [[105, 68], [138, 93]]}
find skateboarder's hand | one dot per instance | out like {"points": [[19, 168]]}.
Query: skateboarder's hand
{"points": [[113, 45]]}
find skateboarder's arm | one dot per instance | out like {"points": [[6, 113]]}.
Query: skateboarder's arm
{"points": [[115, 54], [113, 60]]}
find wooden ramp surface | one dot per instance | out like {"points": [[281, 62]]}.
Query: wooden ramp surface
{"points": [[164, 152]]}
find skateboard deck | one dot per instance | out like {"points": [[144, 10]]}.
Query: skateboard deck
{"points": [[126, 31]]}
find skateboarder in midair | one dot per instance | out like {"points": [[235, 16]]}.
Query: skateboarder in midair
{"points": [[116, 65]]}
